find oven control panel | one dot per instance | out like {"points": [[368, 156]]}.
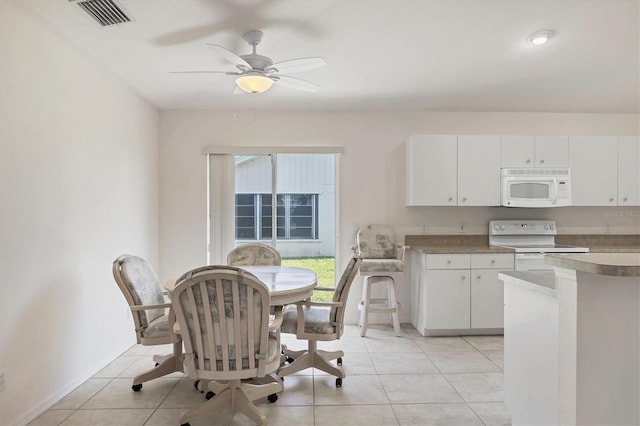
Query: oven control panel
{"points": [[522, 227]]}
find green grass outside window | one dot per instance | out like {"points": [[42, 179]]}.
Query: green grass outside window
{"points": [[325, 269]]}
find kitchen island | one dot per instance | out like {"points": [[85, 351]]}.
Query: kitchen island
{"points": [[572, 341]]}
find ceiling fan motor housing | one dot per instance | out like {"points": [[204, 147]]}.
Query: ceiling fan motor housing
{"points": [[257, 62]]}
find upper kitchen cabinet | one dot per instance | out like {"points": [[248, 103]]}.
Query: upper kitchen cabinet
{"points": [[478, 170], [593, 161], [431, 170], [629, 171], [534, 151]]}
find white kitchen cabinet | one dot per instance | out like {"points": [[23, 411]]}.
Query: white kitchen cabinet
{"points": [[594, 163], [628, 171], [431, 170], [534, 151], [448, 299], [479, 170], [486, 296], [458, 293], [449, 170]]}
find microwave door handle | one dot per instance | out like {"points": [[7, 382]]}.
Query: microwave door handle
{"points": [[555, 191]]}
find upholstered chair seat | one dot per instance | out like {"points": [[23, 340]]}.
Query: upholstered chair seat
{"points": [[317, 320], [381, 265]]}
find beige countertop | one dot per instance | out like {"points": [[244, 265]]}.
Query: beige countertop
{"points": [[603, 243], [613, 264], [451, 244]]}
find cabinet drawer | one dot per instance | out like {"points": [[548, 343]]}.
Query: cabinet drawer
{"points": [[492, 261], [448, 261]]}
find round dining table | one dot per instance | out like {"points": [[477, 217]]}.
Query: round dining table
{"points": [[287, 284]]}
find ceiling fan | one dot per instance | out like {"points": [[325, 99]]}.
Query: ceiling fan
{"points": [[257, 73]]}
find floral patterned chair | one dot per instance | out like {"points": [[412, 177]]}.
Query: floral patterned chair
{"points": [[223, 314], [382, 262], [152, 317], [319, 321], [257, 254]]}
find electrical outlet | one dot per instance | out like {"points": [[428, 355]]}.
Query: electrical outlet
{"points": [[3, 383]]}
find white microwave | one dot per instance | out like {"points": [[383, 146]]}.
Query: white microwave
{"points": [[535, 187]]}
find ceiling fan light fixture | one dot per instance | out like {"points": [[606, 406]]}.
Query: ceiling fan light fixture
{"points": [[254, 83], [540, 37]]}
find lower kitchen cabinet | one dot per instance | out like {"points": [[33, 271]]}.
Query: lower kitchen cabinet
{"points": [[458, 293], [452, 287]]}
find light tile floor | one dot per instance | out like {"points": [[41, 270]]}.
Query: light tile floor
{"points": [[412, 380]]}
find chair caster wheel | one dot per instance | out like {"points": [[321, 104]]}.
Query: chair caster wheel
{"points": [[290, 360], [339, 361], [273, 397], [209, 395], [185, 424], [137, 388], [339, 382], [157, 364], [195, 384]]}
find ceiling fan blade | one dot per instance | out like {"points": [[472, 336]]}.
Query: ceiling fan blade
{"points": [[230, 56], [295, 83], [205, 72], [296, 65]]}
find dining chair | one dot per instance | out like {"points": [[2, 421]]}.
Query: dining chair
{"points": [[382, 262], [254, 254], [153, 317], [319, 321], [223, 314]]}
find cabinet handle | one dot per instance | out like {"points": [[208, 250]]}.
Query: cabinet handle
{"points": [[528, 160], [493, 261], [478, 277], [464, 199], [624, 199], [463, 277], [448, 262], [541, 161], [611, 200], [450, 199]]}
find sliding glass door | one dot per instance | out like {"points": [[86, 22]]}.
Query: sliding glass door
{"points": [[294, 194]]}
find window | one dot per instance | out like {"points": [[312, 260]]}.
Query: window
{"points": [[297, 217]]}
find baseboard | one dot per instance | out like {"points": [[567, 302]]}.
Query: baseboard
{"points": [[38, 410]]}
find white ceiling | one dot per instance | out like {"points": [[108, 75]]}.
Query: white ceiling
{"points": [[432, 55]]}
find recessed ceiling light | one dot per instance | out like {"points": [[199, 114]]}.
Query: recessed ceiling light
{"points": [[540, 37]]}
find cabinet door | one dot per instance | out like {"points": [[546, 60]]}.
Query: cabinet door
{"points": [[552, 151], [487, 299], [594, 174], [448, 299], [431, 170], [478, 170], [628, 171], [516, 151]]}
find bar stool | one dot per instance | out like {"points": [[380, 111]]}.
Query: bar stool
{"points": [[382, 262]]}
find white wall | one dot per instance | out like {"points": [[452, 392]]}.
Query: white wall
{"points": [[78, 187], [371, 171]]}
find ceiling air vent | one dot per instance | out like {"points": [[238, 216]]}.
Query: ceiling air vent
{"points": [[106, 12]]}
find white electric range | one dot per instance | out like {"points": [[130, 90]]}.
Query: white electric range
{"points": [[531, 240]]}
